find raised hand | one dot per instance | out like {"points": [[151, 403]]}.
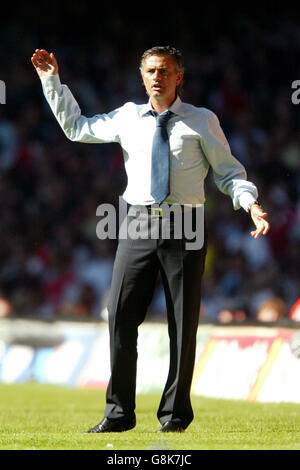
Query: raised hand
{"points": [[45, 64]]}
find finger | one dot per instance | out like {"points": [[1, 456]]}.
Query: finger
{"points": [[40, 66], [37, 51], [260, 219], [259, 229], [41, 53], [34, 60], [37, 59], [43, 57], [45, 54], [263, 225], [257, 233], [49, 60], [38, 54], [263, 230], [266, 229], [54, 61]]}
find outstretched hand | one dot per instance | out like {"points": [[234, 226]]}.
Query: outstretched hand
{"points": [[45, 64], [260, 219]]}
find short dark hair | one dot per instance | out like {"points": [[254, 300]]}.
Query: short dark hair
{"points": [[166, 50]]}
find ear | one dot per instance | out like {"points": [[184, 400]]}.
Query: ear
{"points": [[143, 81], [179, 78]]}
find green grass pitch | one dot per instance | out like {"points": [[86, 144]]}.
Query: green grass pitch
{"points": [[43, 417]]}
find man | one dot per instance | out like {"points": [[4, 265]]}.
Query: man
{"points": [[168, 147]]}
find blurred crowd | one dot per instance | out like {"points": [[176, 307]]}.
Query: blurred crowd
{"points": [[51, 261]]}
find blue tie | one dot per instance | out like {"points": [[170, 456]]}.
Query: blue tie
{"points": [[160, 167]]}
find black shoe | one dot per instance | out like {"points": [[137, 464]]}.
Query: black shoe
{"points": [[171, 426], [112, 425]]}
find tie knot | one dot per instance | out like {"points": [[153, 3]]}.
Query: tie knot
{"points": [[162, 119]]}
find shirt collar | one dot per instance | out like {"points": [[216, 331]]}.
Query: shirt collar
{"points": [[177, 107]]}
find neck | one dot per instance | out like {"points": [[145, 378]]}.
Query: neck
{"points": [[159, 106]]}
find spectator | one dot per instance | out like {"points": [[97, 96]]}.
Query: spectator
{"points": [[51, 261], [271, 310]]}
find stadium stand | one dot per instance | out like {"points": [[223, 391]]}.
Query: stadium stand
{"points": [[51, 263]]}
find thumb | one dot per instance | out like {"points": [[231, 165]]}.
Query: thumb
{"points": [[54, 61]]}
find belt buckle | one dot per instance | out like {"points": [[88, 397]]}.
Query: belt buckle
{"points": [[156, 211]]}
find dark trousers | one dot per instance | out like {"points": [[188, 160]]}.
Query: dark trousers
{"points": [[135, 273]]}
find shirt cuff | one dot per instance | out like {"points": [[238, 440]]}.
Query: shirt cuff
{"points": [[51, 83], [246, 200]]}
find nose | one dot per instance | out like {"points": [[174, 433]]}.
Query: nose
{"points": [[157, 75]]}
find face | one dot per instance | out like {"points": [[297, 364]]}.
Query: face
{"points": [[161, 78]]}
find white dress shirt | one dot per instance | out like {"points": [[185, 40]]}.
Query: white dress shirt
{"points": [[196, 143]]}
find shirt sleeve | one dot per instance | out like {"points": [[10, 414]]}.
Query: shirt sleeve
{"points": [[101, 128], [229, 174]]}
